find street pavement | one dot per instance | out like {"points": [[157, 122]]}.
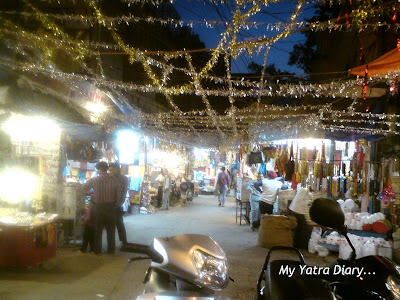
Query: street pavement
{"points": [[75, 275]]}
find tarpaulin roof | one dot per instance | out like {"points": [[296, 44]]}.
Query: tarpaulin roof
{"points": [[388, 62]]}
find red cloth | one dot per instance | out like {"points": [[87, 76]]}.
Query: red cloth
{"points": [[88, 217], [380, 227], [294, 182], [367, 227]]}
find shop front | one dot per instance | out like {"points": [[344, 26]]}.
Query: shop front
{"points": [[207, 164], [351, 173], [29, 163]]}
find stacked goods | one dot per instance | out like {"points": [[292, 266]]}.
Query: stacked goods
{"points": [[276, 231]]}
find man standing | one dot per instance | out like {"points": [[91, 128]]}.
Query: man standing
{"points": [[255, 186], [166, 190], [106, 196], [115, 171], [270, 189], [222, 183], [160, 183]]}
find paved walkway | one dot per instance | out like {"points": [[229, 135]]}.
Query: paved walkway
{"points": [[72, 275]]}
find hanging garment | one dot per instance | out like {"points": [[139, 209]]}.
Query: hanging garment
{"points": [[290, 166], [255, 158]]}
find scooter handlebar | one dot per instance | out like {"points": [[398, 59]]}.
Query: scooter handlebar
{"points": [[142, 249]]}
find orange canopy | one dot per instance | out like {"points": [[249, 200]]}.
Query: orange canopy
{"points": [[388, 62]]}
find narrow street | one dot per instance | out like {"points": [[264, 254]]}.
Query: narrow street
{"points": [[73, 275]]}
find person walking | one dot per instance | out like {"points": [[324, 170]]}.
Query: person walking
{"points": [[115, 171], [105, 199], [255, 186], [270, 188], [222, 183]]}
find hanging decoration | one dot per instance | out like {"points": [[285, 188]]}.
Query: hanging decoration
{"points": [[37, 52]]}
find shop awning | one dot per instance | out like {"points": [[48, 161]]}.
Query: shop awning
{"points": [[84, 132], [388, 62]]}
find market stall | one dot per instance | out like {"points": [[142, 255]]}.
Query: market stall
{"points": [[340, 170], [29, 168], [207, 164], [27, 240]]}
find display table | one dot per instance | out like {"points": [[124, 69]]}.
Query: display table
{"points": [[27, 245]]}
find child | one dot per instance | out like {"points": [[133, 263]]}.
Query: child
{"points": [[88, 230]]}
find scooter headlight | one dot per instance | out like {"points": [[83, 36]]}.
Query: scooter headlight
{"points": [[212, 271], [393, 284]]}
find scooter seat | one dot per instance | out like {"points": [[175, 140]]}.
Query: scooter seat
{"points": [[279, 284]]}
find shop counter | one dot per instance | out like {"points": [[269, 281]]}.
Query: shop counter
{"points": [[27, 245]]}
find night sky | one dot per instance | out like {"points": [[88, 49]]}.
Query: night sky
{"points": [[279, 12]]}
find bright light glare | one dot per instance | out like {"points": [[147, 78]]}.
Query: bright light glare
{"points": [[128, 146], [309, 143], [168, 160], [23, 128], [17, 185], [96, 108]]}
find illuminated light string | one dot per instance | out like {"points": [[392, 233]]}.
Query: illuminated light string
{"points": [[209, 110], [232, 108], [149, 61], [149, 119], [68, 47], [247, 25], [166, 67], [82, 52], [155, 63], [260, 42], [277, 26], [370, 122], [334, 89], [111, 21], [135, 56], [231, 32], [225, 123], [359, 13]]}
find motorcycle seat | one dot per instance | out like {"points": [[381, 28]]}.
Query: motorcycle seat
{"points": [[280, 285]]}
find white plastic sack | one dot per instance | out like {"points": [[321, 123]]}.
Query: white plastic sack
{"points": [[314, 238], [344, 251], [322, 251], [370, 248]]}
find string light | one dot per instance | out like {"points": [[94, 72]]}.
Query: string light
{"points": [[190, 128]]}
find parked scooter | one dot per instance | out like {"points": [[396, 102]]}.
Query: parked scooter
{"points": [[188, 266], [370, 277]]}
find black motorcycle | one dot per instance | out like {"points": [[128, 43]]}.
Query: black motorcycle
{"points": [[370, 277]]}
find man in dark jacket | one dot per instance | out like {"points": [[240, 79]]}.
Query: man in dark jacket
{"points": [[115, 171], [105, 199]]}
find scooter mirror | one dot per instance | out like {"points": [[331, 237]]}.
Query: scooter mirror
{"points": [[327, 212]]}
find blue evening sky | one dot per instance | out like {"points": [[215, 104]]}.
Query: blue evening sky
{"points": [[196, 10]]}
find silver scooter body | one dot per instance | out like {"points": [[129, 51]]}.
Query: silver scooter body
{"points": [[189, 266]]}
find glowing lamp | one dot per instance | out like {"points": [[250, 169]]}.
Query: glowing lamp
{"points": [[23, 128], [96, 108], [17, 185]]}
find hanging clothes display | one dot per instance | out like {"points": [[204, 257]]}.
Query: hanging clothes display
{"points": [[290, 165]]}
